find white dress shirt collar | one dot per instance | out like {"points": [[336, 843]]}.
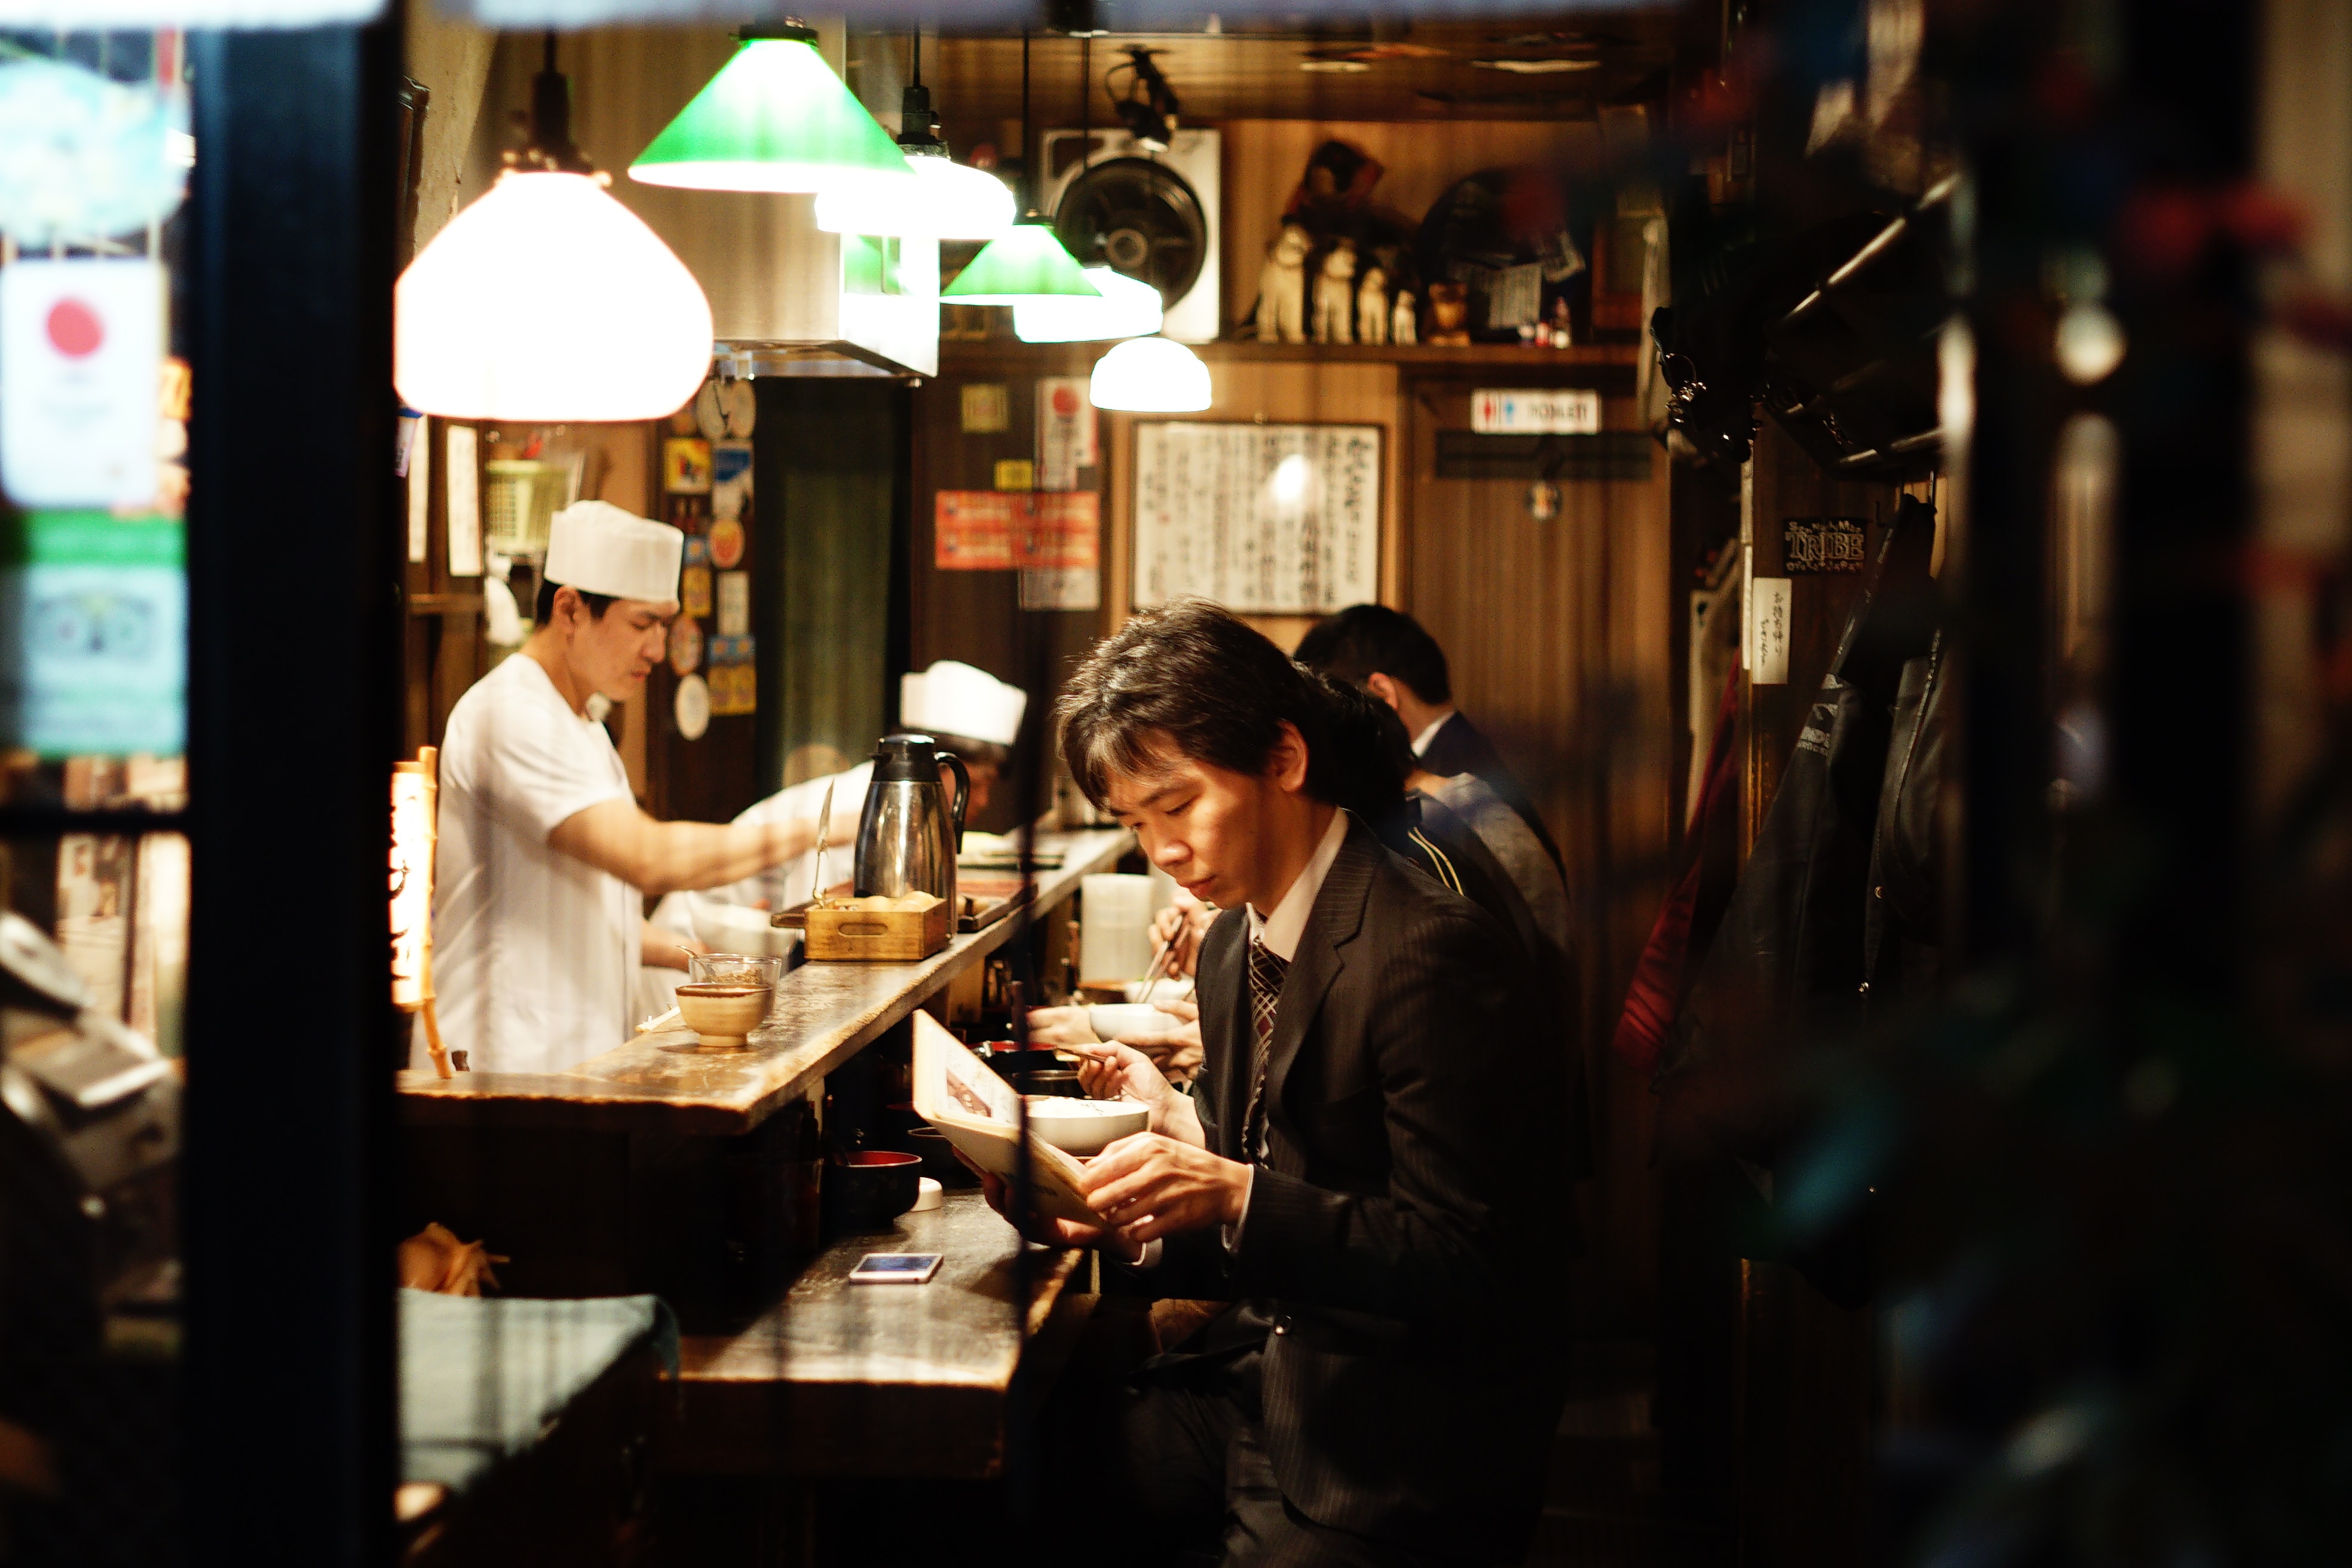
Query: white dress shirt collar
{"points": [[1421, 741], [1281, 931]]}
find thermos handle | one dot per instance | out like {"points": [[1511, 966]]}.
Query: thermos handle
{"points": [[963, 793]]}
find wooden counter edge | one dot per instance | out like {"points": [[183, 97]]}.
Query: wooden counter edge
{"points": [[830, 1426], [569, 1101]]}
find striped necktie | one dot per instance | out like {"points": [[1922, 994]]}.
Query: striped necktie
{"points": [[1265, 977]]}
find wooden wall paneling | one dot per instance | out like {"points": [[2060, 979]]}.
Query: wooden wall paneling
{"points": [[1557, 634], [1263, 160], [976, 617], [1784, 483], [1806, 1385], [1283, 392]]}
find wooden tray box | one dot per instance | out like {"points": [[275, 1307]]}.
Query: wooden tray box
{"points": [[873, 936]]}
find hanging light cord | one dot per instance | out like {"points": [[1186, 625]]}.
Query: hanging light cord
{"points": [[1028, 136]]}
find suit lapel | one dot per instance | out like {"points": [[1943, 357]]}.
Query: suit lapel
{"points": [[1338, 915], [1224, 992]]}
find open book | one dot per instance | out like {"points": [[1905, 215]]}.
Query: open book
{"points": [[958, 1093]]}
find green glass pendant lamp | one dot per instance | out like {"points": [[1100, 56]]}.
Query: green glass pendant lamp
{"points": [[775, 118], [1031, 262]]}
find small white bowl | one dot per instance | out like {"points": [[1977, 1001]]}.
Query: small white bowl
{"points": [[1117, 1020], [1084, 1127]]}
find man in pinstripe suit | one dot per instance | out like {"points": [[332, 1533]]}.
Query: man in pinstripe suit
{"points": [[1371, 1169]]}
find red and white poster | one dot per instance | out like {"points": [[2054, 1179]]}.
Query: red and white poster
{"points": [[996, 531], [1065, 431], [81, 358]]}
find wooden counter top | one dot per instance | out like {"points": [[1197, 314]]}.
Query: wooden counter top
{"points": [[878, 1380], [828, 1012]]}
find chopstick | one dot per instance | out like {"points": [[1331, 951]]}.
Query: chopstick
{"points": [[1152, 976]]}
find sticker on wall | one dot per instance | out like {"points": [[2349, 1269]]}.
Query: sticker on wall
{"points": [[685, 465], [1535, 411], [725, 408], [726, 542], [734, 689], [420, 490], [987, 410], [85, 155], [464, 504], [697, 550], [686, 644], [730, 477], [1015, 474], [1819, 544], [732, 650], [1061, 588], [694, 590], [1767, 653], [691, 707], [984, 531], [734, 604], [81, 346], [94, 609], [1065, 431]]}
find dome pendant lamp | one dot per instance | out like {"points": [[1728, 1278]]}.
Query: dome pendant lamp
{"points": [[775, 118], [1031, 261], [1149, 376], [547, 300], [948, 201]]}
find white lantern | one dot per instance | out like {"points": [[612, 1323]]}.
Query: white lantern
{"points": [[547, 302], [944, 201], [1129, 307], [1150, 376]]}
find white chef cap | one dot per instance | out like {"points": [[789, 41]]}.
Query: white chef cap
{"points": [[956, 700], [597, 548]]}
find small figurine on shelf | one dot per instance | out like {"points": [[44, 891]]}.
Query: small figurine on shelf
{"points": [[1449, 313], [1404, 322], [1372, 306], [1335, 295], [1282, 288]]}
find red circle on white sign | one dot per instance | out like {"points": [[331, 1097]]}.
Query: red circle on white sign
{"points": [[75, 329]]}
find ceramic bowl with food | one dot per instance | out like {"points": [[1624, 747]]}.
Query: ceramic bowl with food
{"points": [[727, 995], [1084, 1126]]}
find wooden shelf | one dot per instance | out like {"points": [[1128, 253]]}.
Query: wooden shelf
{"points": [[967, 354]]}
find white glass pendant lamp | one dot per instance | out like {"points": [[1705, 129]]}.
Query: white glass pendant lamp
{"points": [[946, 201], [547, 300], [1150, 376], [1129, 308]]}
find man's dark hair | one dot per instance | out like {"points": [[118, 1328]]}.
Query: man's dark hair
{"points": [[1364, 640], [1195, 673], [1365, 756], [542, 608]]}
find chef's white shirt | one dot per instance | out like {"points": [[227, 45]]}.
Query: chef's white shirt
{"points": [[782, 887], [534, 952]]}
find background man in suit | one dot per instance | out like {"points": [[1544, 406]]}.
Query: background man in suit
{"points": [[1370, 1168], [1387, 653]]}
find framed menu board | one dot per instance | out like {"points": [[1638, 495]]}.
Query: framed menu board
{"points": [[1263, 519]]}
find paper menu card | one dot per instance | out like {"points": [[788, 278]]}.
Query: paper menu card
{"points": [[979, 1112]]}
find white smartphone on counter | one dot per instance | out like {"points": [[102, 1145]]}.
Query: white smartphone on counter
{"points": [[894, 1268]]}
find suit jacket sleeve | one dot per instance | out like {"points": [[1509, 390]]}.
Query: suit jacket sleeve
{"points": [[1194, 1265], [1465, 1099]]}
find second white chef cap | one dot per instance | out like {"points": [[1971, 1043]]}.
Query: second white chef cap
{"points": [[955, 699]]}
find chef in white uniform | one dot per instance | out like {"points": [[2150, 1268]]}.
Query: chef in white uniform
{"points": [[968, 711], [545, 856]]}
